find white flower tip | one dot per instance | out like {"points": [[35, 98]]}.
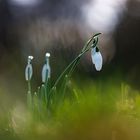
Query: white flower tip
{"points": [[47, 54], [97, 59], [30, 57], [98, 67]]}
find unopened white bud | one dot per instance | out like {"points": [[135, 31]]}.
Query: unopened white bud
{"points": [[29, 69], [46, 70]]}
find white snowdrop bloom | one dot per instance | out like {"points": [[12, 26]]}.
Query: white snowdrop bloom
{"points": [[46, 70], [29, 69], [97, 58]]}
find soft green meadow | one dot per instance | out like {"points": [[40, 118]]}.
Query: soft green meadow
{"points": [[72, 108], [99, 111]]}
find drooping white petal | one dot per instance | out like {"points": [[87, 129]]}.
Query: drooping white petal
{"points": [[97, 59], [28, 72], [93, 51]]}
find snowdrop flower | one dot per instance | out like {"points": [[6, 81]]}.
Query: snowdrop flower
{"points": [[46, 71], [29, 69], [97, 58]]}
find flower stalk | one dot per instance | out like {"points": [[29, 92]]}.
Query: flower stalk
{"points": [[73, 64], [28, 76]]}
